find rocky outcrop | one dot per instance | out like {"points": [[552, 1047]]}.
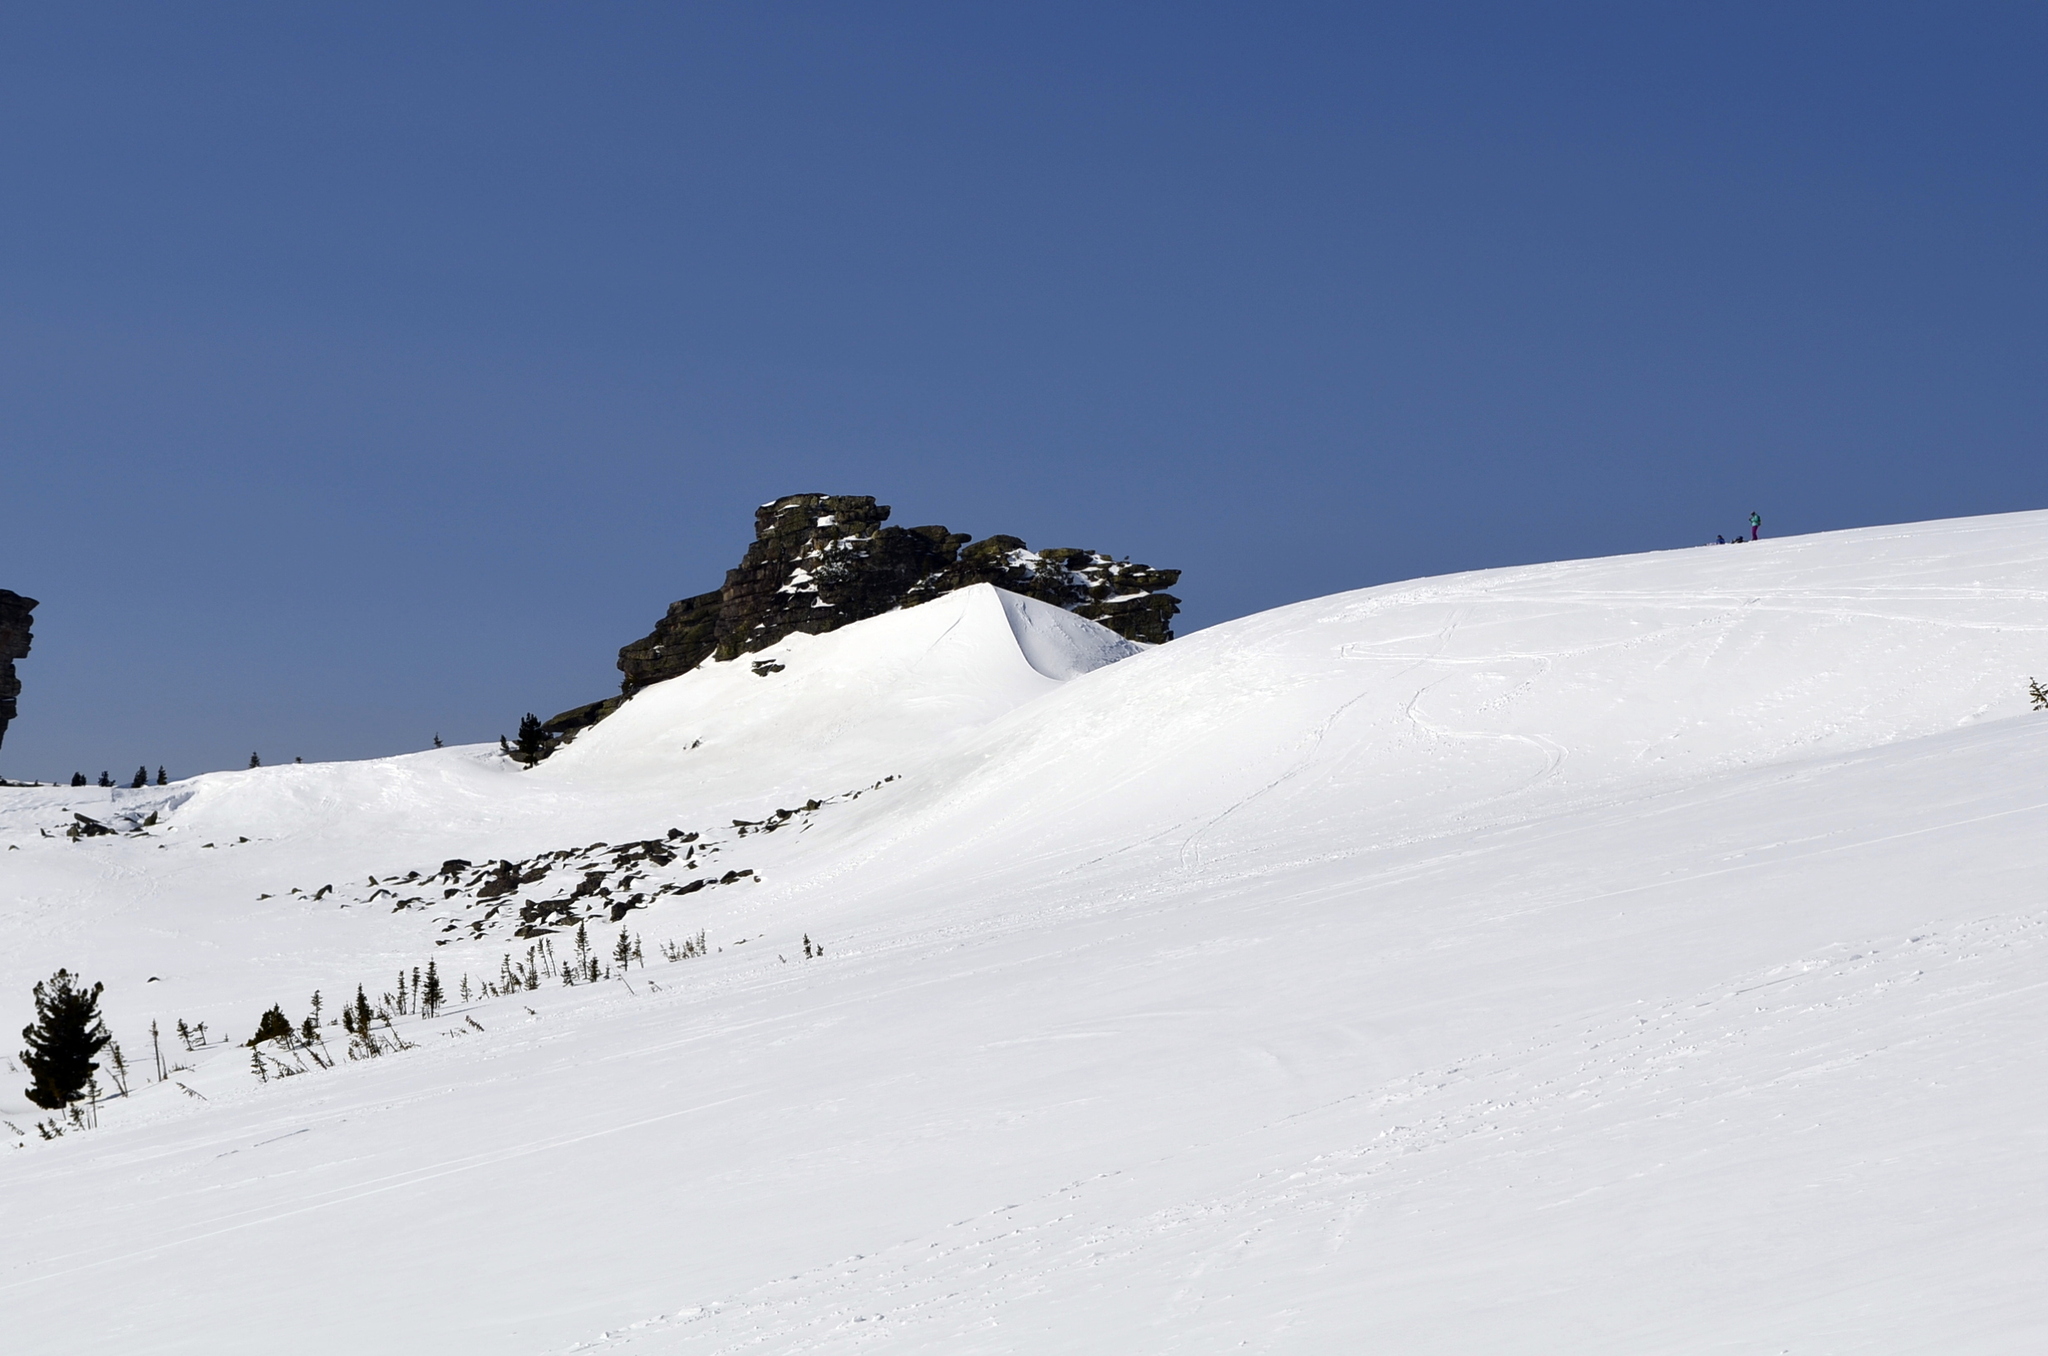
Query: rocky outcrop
{"points": [[14, 610], [821, 561]]}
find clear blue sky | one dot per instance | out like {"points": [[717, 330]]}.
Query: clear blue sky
{"points": [[373, 371]]}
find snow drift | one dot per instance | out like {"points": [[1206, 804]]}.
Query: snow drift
{"points": [[1620, 955]]}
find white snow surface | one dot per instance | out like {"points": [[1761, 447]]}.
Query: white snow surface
{"points": [[1632, 955]]}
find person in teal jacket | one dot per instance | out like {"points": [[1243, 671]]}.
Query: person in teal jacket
{"points": [[1755, 523]]}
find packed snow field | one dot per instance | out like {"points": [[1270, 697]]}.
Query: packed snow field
{"points": [[1629, 955]]}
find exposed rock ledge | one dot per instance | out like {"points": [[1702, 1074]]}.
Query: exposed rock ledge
{"points": [[14, 638], [820, 561]]}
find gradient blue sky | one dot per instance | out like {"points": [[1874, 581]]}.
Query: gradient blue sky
{"points": [[373, 371]]}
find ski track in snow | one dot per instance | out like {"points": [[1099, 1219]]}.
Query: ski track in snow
{"points": [[1488, 1115]]}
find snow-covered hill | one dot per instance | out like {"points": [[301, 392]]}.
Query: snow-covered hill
{"points": [[1628, 955]]}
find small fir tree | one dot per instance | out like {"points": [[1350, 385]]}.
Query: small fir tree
{"points": [[430, 996], [272, 1026], [254, 761], [106, 779], [162, 778], [534, 742], [63, 1039], [141, 779], [78, 779]]}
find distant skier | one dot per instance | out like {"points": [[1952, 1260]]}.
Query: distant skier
{"points": [[1720, 540], [1755, 524]]}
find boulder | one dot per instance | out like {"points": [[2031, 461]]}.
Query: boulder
{"points": [[14, 639], [819, 562]]}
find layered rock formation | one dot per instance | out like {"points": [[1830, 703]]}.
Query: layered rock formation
{"points": [[821, 561], [14, 638]]}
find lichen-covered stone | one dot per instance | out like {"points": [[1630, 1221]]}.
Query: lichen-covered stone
{"points": [[821, 561], [14, 640]]}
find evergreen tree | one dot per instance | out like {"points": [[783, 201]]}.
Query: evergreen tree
{"points": [[63, 1039], [78, 779], [272, 1026], [362, 1012], [106, 779], [141, 779], [254, 761], [534, 742], [2038, 694], [162, 779], [623, 951], [430, 996], [437, 741]]}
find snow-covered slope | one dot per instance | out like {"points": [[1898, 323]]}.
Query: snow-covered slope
{"points": [[1613, 956], [824, 718]]}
